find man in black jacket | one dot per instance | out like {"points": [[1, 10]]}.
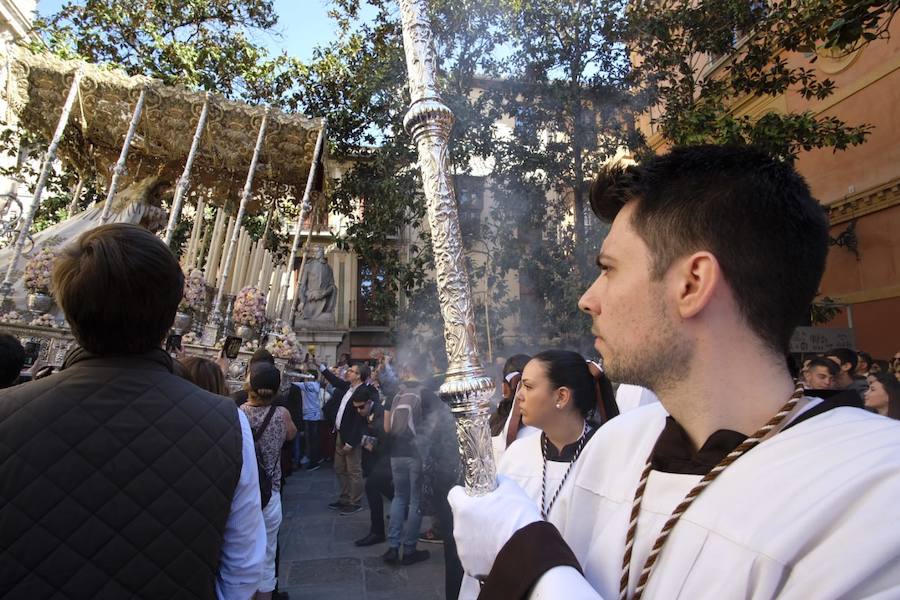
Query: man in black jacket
{"points": [[349, 426], [119, 479]]}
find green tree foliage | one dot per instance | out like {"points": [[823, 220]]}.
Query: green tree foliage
{"points": [[360, 85], [697, 60], [201, 44]]}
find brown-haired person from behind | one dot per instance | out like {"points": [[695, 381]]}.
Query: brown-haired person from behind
{"points": [[117, 477], [272, 426], [205, 373]]}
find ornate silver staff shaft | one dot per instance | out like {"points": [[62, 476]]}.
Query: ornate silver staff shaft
{"points": [[185, 179], [467, 389], [28, 218], [305, 209], [215, 317], [123, 156]]}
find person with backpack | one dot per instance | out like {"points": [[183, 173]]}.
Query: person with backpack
{"points": [[272, 426], [400, 424]]}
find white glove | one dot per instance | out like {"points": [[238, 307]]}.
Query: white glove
{"points": [[483, 524], [323, 367]]}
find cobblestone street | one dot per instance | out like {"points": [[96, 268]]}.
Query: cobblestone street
{"points": [[318, 558]]}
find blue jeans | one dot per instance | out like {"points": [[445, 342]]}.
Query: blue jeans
{"points": [[407, 472]]}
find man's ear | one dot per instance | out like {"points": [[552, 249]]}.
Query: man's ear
{"points": [[696, 279]]}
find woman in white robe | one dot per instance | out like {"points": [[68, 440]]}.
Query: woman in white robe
{"points": [[506, 422], [560, 398]]}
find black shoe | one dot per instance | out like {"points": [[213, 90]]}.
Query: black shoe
{"points": [[337, 505], [350, 509], [369, 540], [391, 557], [314, 467], [411, 558]]}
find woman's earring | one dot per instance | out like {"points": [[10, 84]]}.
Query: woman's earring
{"points": [[557, 405]]}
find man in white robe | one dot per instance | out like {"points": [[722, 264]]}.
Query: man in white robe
{"points": [[689, 308]]}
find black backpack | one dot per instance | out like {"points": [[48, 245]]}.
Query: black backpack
{"points": [[265, 478]]}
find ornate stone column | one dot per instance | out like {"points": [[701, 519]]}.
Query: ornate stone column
{"points": [[467, 388]]}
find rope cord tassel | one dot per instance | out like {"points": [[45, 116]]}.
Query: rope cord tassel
{"points": [[774, 425]]}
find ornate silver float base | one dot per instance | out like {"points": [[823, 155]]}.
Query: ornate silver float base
{"points": [[40, 303], [210, 334], [182, 322], [245, 332]]}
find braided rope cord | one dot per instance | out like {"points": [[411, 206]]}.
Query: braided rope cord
{"points": [[773, 426], [545, 508]]}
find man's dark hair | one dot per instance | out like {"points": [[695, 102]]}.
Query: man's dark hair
{"points": [[866, 357], [12, 359], [753, 212], [119, 287], [845, 355], [364, 370], [824, 362]]}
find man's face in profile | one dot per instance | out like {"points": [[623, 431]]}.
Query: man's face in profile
{"points": [[818, 378]]}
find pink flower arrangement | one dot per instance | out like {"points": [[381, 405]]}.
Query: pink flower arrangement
{"points": [[37, 271], [249, 307], [194, 291]]}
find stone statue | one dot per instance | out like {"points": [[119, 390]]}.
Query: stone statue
{"points": [[318, 294]]}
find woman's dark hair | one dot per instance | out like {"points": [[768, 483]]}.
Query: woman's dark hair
{"points": [[12, 359], [892, 387], [514, 364], [724, 199], [568, 369], [205, 374], [119, 287]]}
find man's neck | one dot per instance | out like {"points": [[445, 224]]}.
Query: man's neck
{"points": [[741, 392]]}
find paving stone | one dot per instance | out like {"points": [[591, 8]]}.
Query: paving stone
{"points": [[319, 560]]}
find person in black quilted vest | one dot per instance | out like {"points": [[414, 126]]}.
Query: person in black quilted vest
{"points": [[119, 479]]}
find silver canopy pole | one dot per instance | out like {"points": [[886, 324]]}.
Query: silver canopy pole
{"points": [[305, 209], [185, 179], [467, 389], [123, 156], [6, 286], [215, 317]]}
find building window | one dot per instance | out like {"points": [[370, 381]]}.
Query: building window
{"points": [[470, 198]]}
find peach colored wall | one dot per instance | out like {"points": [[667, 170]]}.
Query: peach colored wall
{"points": [[872, 87], [876, 326], [879, 262]]}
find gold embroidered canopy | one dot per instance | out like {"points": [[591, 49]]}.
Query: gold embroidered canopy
{"points": [[106, 101]]}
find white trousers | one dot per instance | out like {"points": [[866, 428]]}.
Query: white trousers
{"points": [[272, 518]]}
